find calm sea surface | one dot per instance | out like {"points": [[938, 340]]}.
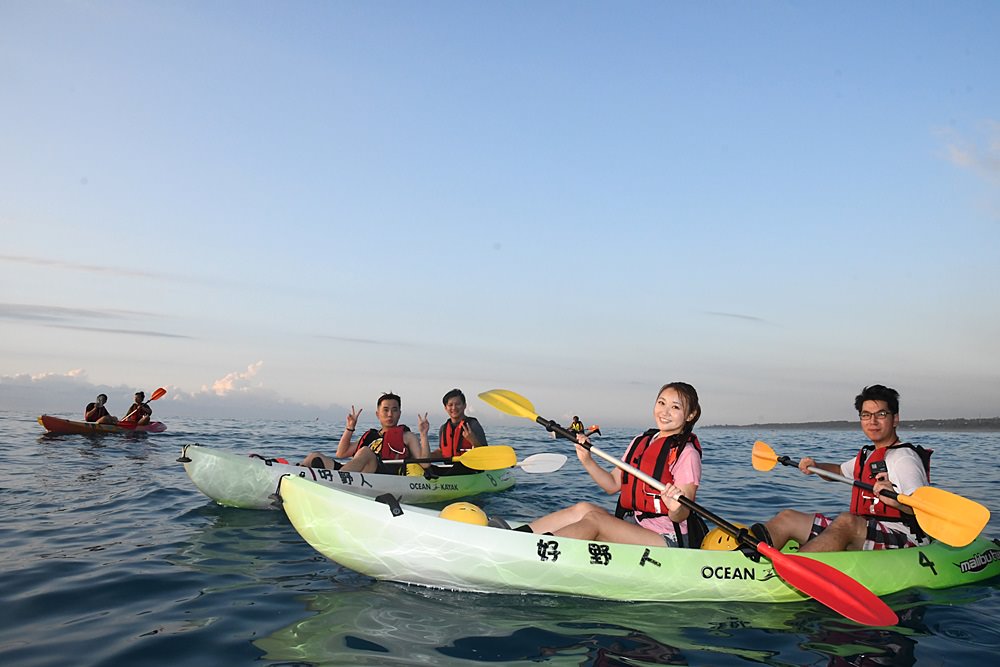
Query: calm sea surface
{"points": [[110, 556]]}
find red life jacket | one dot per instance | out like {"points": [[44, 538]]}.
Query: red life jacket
{"points": [[389, 446], [655, 458], [453, 441], [137, 412], [863, 501]]}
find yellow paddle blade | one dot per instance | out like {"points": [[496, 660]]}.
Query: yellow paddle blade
{"points": [[946, 516], [494, 457], [764, 457], [510, 402]]}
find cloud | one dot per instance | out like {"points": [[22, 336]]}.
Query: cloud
{"points": [[365, 341], [151, 275], [131, 332], [90, 268], [59, 317], [236, 382], [979, 155], [737, 316], [234, 396], [35, 313], [75, 374]]}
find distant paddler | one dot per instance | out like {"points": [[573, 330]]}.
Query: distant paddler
{"points": [[97, 413], [576, 426]]}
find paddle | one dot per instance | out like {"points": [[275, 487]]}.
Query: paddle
{"points": [[594, 430], [943, 515], [156, 395], [486, 459], [816, 579], [496, 457], [539, 463]]}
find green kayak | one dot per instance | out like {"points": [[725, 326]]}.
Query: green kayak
{"points": [[416, 546], [249, 481]]}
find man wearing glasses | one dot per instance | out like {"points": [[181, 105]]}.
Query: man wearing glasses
{"points": [[874, 521]]}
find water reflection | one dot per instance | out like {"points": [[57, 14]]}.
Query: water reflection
{"points": [[391, 624]]}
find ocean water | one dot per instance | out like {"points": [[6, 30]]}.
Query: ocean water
{"points": [[110, 556]]}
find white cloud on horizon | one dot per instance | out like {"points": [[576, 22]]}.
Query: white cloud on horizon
{"points": [[236, 382], [234, 395]]}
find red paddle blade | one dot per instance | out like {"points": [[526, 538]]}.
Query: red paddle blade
{"points": [[159, 393], [831, 587]]}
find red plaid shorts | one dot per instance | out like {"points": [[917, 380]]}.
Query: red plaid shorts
{"points": [[880, 535]]}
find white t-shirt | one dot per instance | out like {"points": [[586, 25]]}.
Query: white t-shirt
{"points": [[906, 470]]}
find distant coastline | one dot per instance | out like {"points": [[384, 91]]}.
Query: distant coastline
{"points": [[980, 424]]}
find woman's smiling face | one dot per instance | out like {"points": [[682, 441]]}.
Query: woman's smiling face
{"points": [[670, 412]]}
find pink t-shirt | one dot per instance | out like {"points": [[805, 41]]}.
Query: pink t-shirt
{"points": [[686, 470]]}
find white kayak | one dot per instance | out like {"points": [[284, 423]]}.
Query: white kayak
{"points": [[416, 546], [250, 481]]}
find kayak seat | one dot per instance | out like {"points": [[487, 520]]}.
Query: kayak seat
{"points": [[498, 522], [758, 532]]}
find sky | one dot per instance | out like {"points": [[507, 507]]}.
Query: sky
{"points": [[283, 209]]}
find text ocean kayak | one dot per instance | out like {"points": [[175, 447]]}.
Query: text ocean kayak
{"points": [[418, 547], [60, 425], [248, 482]]}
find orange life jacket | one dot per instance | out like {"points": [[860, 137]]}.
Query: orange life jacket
{"points": [[453, 442]]}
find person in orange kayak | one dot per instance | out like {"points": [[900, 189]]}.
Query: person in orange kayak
{"points": [[458, 434], [96, 412], [140, 412], [376, 446], [669, 452], [874, 521]]}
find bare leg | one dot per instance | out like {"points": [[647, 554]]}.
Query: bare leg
{"points": [[324, 459], [603, 527], [550, 523], [846, 532], [789, 525], [365, 460]]}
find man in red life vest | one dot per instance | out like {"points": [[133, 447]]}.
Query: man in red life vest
{"points": [[874, 521], [375, 446], [140, 412]]}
